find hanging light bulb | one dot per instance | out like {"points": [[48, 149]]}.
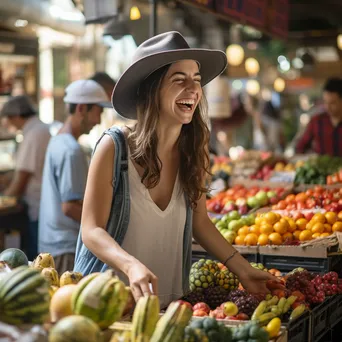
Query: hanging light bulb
{"points": [[134, 13], [252, 87], [235, 54], [339, 41], [252, 66], [279, 85]]}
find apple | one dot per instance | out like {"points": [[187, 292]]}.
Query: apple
{"points": [[217, 313], [229, 207], [230, 309], [262, 198], [183, 302], [243, 209], [250, 219], [271, 194], [234, 215], [202, 306], [234, 225], [274, 200], [230, 236], [199, 313], [240, 201], [252, 202]]}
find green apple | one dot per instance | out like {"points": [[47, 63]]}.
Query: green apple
{"points": [[221, 224], [234, 225], [234, 215], [250, 219], [271, 194], [252, 202], [244, 221], [230, 236], [262, 198]]}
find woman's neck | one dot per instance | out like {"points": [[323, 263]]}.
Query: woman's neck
{"points": [[168, 138]]}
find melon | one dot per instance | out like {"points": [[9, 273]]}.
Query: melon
{"points": [[14, 257], [60, 305], [75, 329]]}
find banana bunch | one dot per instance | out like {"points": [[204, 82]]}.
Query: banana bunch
{"points": [[70, 278], [170, 327], [43, 260], [51, 275], [101, 297], [271, 308], [145, 318], [24, 297]]}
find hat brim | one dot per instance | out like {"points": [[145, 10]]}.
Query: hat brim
{"points": [[105, 104], [212, 63]]}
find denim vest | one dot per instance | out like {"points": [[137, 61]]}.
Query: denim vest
{"points": [[85, 261]]}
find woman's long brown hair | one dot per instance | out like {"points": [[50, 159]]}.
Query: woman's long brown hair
{"points": [[192, 143]]}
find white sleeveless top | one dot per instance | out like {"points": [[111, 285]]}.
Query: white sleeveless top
{"points": [[155, 237]]}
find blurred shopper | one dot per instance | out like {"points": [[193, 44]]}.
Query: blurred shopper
{"points": [[323, 134], [145, 180], [30, 157], [105, 81], [65, 173]]}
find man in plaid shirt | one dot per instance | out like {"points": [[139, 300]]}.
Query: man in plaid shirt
{"points": [[323, 134]]}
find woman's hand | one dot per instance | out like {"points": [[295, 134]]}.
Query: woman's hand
{"points": [[140, 278], [254, 281]]}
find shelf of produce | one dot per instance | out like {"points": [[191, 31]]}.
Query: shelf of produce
{"points": [[299, 329], [320, 320], [314, 259], [248, 252]]}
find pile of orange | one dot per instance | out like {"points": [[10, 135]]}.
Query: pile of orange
{"points": [[273, 229]]}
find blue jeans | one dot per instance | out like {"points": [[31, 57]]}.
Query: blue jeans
{"points": [[32, 240]]}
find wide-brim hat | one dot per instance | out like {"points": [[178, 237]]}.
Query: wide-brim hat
{"points": [[154, 53]]}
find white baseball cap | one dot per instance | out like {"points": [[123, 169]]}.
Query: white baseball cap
{"points": [[86, 92]]}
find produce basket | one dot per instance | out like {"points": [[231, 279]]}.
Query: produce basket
{"points": [[299, 329], [335, 311], [320, 320]]}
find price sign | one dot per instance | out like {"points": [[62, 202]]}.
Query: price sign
{"points": [[283, 177]]}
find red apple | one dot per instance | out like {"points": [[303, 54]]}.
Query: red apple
{"points": [[199, 313], [202, 306]]}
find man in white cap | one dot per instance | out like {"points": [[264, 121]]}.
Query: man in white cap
{"points": [[65, 173], [26, 183]]}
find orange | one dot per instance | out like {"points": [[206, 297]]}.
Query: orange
{"points": [[310, 225], [339, 215], [296, 234], [263, 240], [337, 227], [327, 227], [275, 239], [316, 235], [290, 198], [288, 236], [278, 215], [318, 227], [254, 229], [301, 223], [266, 229], [292, 225], [331, 217], [305, 235], [325, 234], [240, 240], [251, 239], [280, 227], [318, 217], [271, 218], [301, 197], [258, 220], [243, 230]]}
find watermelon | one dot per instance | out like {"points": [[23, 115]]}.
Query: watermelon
{"points": [[14, 257]]}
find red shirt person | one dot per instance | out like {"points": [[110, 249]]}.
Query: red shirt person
{"points": [[323, 134]]}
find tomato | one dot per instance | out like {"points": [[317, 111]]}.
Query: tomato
{"points": [[301, 197], [319, 189], [309, 192], [282, 205], [279, 293], [301, 205], [290, 198], [299, 295]]}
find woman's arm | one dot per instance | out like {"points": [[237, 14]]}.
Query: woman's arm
{"points": [[96, 209], [206, 234]]}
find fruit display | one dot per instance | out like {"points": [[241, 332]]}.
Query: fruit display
{"points": [[245, 302], [267, 171], [272, 228], [317, 197], [250, 332], [14, 257], [317, 169], [243, 199], [24, 297], [110, 295]]}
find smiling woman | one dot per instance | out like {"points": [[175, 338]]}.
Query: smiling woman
{"points": [[145, 194]]}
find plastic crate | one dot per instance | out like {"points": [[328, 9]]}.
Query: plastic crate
{"points": [[335, 311], [319, 320], [299, 329], [288, 263], [196, 255]]}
